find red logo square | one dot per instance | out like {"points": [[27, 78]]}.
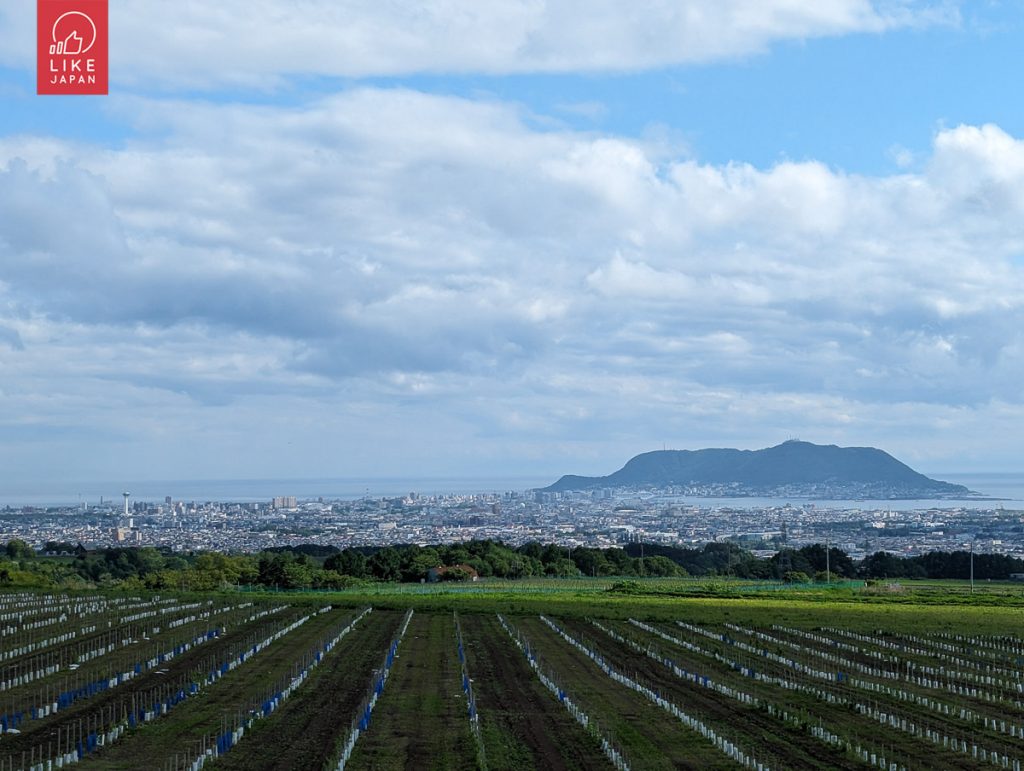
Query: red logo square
{"points": [[71, 46]]}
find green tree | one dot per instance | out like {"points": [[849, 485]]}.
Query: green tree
{"points": [[455, 574], [839, 563], [592, 562], [661, 566], [17, 549], [531, 549], [349, 562], [563, 568], [386, 565], [881, 565], [416, 562]]}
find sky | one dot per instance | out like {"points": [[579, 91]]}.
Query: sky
{"points": [[496, 238]]}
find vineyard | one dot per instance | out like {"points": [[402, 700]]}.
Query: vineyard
{"points": [[231, 682]]}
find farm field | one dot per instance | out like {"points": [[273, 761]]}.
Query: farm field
{"points": [[521, 724], [916, 591], [420, 720], [992, 609], [285, 682], [304, 733]]}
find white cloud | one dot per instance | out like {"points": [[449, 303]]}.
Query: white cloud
{"points": [[622, 278], [402, 260], [254, 43]]}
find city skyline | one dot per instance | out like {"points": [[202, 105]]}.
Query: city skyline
{"points": [[511, 239]]}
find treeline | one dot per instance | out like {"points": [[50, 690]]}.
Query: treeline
{"points": [[719, 558], [325, 567]]}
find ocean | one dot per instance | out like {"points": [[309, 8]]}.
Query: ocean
{"points": [[249, 490], [1000, 489], [1007, 487]]}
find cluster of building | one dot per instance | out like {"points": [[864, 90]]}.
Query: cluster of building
{"points": [[602, 518]]}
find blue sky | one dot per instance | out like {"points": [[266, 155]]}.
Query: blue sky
{"points": [[512, 237], [894, 90]]}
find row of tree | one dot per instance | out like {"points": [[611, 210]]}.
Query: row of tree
{"points": [[327, 567]]}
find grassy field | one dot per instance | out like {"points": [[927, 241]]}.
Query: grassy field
{"points": [[945, 606], [658, 673], [420, 720], [522, 725], [194, 723], [649, 737], [304, 733]]}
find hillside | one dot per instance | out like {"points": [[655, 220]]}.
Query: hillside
{"points": [[793, 464]]}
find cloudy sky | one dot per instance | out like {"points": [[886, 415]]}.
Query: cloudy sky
{"points": [[512, 237]]}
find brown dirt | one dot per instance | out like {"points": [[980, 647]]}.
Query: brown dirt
{"points": [[754, 728], [522, 712], [305, 731], [107, 707]]}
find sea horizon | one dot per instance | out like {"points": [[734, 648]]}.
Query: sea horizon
{"points": [[995, 487]]}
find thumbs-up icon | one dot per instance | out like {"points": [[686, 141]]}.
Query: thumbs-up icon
{"points": [[73, 44], [70, 46], [80, 38]]}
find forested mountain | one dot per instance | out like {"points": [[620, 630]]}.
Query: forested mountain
{"points": [[814, 468]]}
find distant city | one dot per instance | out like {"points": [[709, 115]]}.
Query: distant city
{"points": [[605, 517]]}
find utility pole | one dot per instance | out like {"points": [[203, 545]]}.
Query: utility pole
{"points": [[973, 538], [828, 563]]}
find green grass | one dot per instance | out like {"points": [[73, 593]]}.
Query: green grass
{"points": [[523, 724], [838, 718], [422, 714], [897, 613], [649, 737], [304, 731], [198, 720], [420, 720]]}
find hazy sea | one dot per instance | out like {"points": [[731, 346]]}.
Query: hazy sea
{"points": [[1009, 487], [248, 490], [1000, 489]]}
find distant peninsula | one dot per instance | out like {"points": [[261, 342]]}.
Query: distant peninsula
{"points": [[792, 469]]}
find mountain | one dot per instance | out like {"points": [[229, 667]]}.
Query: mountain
{"points": [[799, 467]]}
